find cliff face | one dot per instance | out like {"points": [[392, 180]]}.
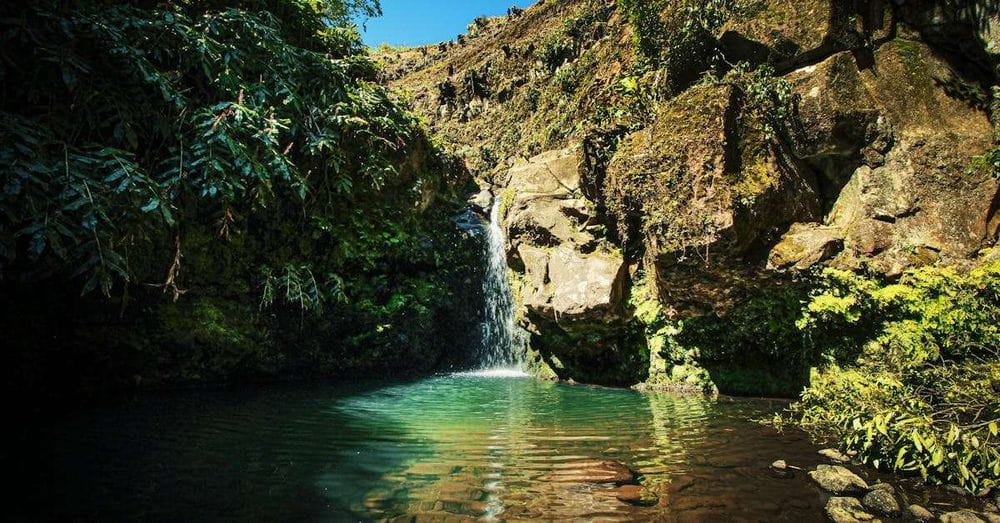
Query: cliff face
{"points": [[694, 158]]}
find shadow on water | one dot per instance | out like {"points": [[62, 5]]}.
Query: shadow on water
{"points": [[449, 446]]}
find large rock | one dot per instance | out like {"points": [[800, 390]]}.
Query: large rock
{"points": [[565, 284], [838, 480], [591, 472], [574, 283]]}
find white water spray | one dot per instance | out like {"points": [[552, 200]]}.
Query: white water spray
{"points": [[499, 331]]}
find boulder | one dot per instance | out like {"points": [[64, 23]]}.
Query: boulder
{"points": [[882, 500], [574, 285], [839, 480], [881, 160], [847, 510], [563, 284]]}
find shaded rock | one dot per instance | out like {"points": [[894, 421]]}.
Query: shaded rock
{"points": [[708, 198], [920, 513], [838, 480], [636, 495], [804, 246], [962, 516], [955, 489], [835, 455], [882, 500], [847, 510]]}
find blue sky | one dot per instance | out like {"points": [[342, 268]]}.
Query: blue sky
{"points": [[419, 22]]}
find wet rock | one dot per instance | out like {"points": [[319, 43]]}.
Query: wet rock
{"points": [[847, 510], [835, 455], [781, 470], [839, 480], [962, 516], [636, 495], [882, 500], [920, 513], [482, 201]]}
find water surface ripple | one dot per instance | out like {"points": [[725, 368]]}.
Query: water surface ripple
{"points": [[462, 446]]}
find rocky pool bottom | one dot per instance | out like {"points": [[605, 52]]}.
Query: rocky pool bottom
{"points": [[450, 447]]}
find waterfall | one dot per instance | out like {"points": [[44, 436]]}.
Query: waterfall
{"points": [[498, 330]]}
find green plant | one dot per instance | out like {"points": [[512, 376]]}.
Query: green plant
{"points": [[988, 162], [916, 386]]}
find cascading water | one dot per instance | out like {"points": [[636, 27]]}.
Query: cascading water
{"points": [[498, 330]]}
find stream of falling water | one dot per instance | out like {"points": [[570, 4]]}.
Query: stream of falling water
{"points": [[499, 331]]}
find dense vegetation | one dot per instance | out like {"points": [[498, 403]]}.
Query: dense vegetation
{"points": [[220, 186], [912, 381]]}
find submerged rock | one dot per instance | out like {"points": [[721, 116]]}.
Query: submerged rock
{"points": [[636, 495], [847, 510], [839, 480], [592, 472]]}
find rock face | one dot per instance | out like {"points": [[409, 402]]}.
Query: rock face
{"points": [[573, 282], [843, 138], [838, 480]]}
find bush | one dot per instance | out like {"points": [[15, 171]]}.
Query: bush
{"points": [[913, 380]]}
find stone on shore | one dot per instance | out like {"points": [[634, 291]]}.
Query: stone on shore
{"points": [[839, 480]]}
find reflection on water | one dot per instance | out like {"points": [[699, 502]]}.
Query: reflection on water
{"points": [[467, 446]]}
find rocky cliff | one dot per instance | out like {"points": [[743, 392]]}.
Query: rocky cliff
{"points": [[675, 163]]}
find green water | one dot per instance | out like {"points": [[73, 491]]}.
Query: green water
{"points": [[451, 446]]}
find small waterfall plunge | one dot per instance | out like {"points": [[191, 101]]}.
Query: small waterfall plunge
{"points": [[498, 329]]}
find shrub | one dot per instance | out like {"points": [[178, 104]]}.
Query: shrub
{"points": [[913, 382]]}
